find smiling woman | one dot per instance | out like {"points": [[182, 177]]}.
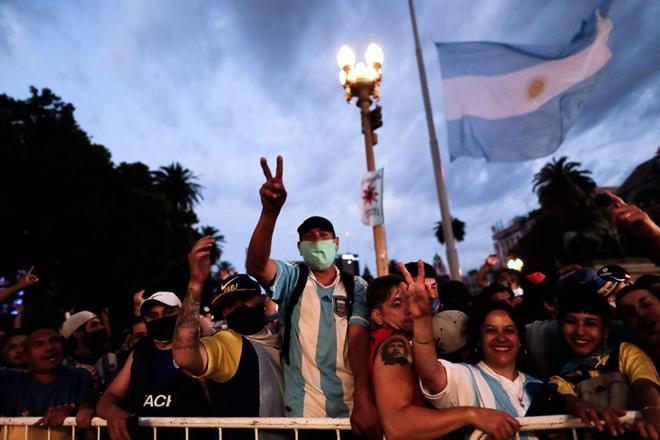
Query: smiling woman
{"points": [[494, 382]]}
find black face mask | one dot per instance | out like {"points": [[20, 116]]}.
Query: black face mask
{"points": [[162, 329], [95, 341], [247, 320]]}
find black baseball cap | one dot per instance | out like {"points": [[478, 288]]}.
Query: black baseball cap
{"points": [[315, 222], [241, 284], [613, 272]]}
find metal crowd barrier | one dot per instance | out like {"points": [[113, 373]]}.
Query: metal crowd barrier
{"points": [[542, 423]]}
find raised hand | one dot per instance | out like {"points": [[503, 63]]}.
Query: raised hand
{"points": [[199, 260], [631, 219], [416, 294], [272, 192], [28, 279]]}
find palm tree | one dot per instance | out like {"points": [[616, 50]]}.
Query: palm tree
{"points": [[568, 227], [225, 269], [562, 187], [179, 185], [457, 227]]}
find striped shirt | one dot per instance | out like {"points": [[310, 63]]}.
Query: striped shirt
{"points": [[480, 386], [318, 379]]}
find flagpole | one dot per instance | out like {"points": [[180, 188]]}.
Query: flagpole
{"points": [[452, 255]]}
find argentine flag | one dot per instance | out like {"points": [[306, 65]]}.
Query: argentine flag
{"points": [[512, 103]]}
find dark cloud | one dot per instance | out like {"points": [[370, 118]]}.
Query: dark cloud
{"points": [[216, 85]]}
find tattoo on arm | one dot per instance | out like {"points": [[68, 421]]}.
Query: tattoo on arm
{"points": [[186, 332], [395, 352]]}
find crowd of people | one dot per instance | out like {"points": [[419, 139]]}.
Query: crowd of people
{"points": [[408, 355]]}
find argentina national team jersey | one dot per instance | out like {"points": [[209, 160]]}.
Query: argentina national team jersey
{"points": [[318, 380], [478, 385]]}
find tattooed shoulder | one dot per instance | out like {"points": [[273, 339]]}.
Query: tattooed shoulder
{"points": [[395, 351]]}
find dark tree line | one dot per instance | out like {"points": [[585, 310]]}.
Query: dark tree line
{"points": [[95, 231], [569, 227]]}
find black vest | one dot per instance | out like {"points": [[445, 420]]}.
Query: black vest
{"points": [[181, 396]]}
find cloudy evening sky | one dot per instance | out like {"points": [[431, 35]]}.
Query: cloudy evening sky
{"points": [[215, 85]]}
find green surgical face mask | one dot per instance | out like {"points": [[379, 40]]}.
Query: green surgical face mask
{"points": [[318, 255]]}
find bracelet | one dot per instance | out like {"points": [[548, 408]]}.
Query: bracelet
{"points": [[415, 341]]}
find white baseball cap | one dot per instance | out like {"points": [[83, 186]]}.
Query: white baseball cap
{"points": [[450, 331], [74, 322], [166, 298]]}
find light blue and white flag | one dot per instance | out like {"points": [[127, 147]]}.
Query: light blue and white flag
{"points": [[371, 198], [513, 103]]}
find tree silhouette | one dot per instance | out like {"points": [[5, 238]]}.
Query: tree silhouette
{"points": [[95, 231], [179, 186], [564, 189], [226, 265], [457, 227], [568, 227]]}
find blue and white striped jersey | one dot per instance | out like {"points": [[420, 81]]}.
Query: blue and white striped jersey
{"points": [[318, 379]]}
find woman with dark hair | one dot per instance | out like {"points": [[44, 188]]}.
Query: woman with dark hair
{"points": [[494, 382], [603, 380]]}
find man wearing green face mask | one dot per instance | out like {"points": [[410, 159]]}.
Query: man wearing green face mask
{"points": [[326, 339]]}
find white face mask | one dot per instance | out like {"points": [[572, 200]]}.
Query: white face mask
{"points": [[517, 291]]}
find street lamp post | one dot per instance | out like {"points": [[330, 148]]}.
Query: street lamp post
{"points": [[362, 82]]}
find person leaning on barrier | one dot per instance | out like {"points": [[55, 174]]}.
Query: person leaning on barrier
{"points": [[638, 306], [324, 314], [241, 364], [403, 411], [151, 384], [48, 390], [602, 379]]}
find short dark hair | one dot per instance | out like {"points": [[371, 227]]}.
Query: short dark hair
{"points": [[429, 271], [11, 333], [455, 296], [584, 299], [647, 280], [379, 290], [490, 290], [637, 286], [315, 222]]}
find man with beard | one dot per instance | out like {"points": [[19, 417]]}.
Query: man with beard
{"points": [[242, 363], [87, 342], [151, 384], [48, 389]]}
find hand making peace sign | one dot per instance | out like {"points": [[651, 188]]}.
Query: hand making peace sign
{"points": [[415, 292], [272, 192]]}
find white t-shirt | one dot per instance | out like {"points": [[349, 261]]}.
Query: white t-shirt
{"points": [[480, 386]]}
